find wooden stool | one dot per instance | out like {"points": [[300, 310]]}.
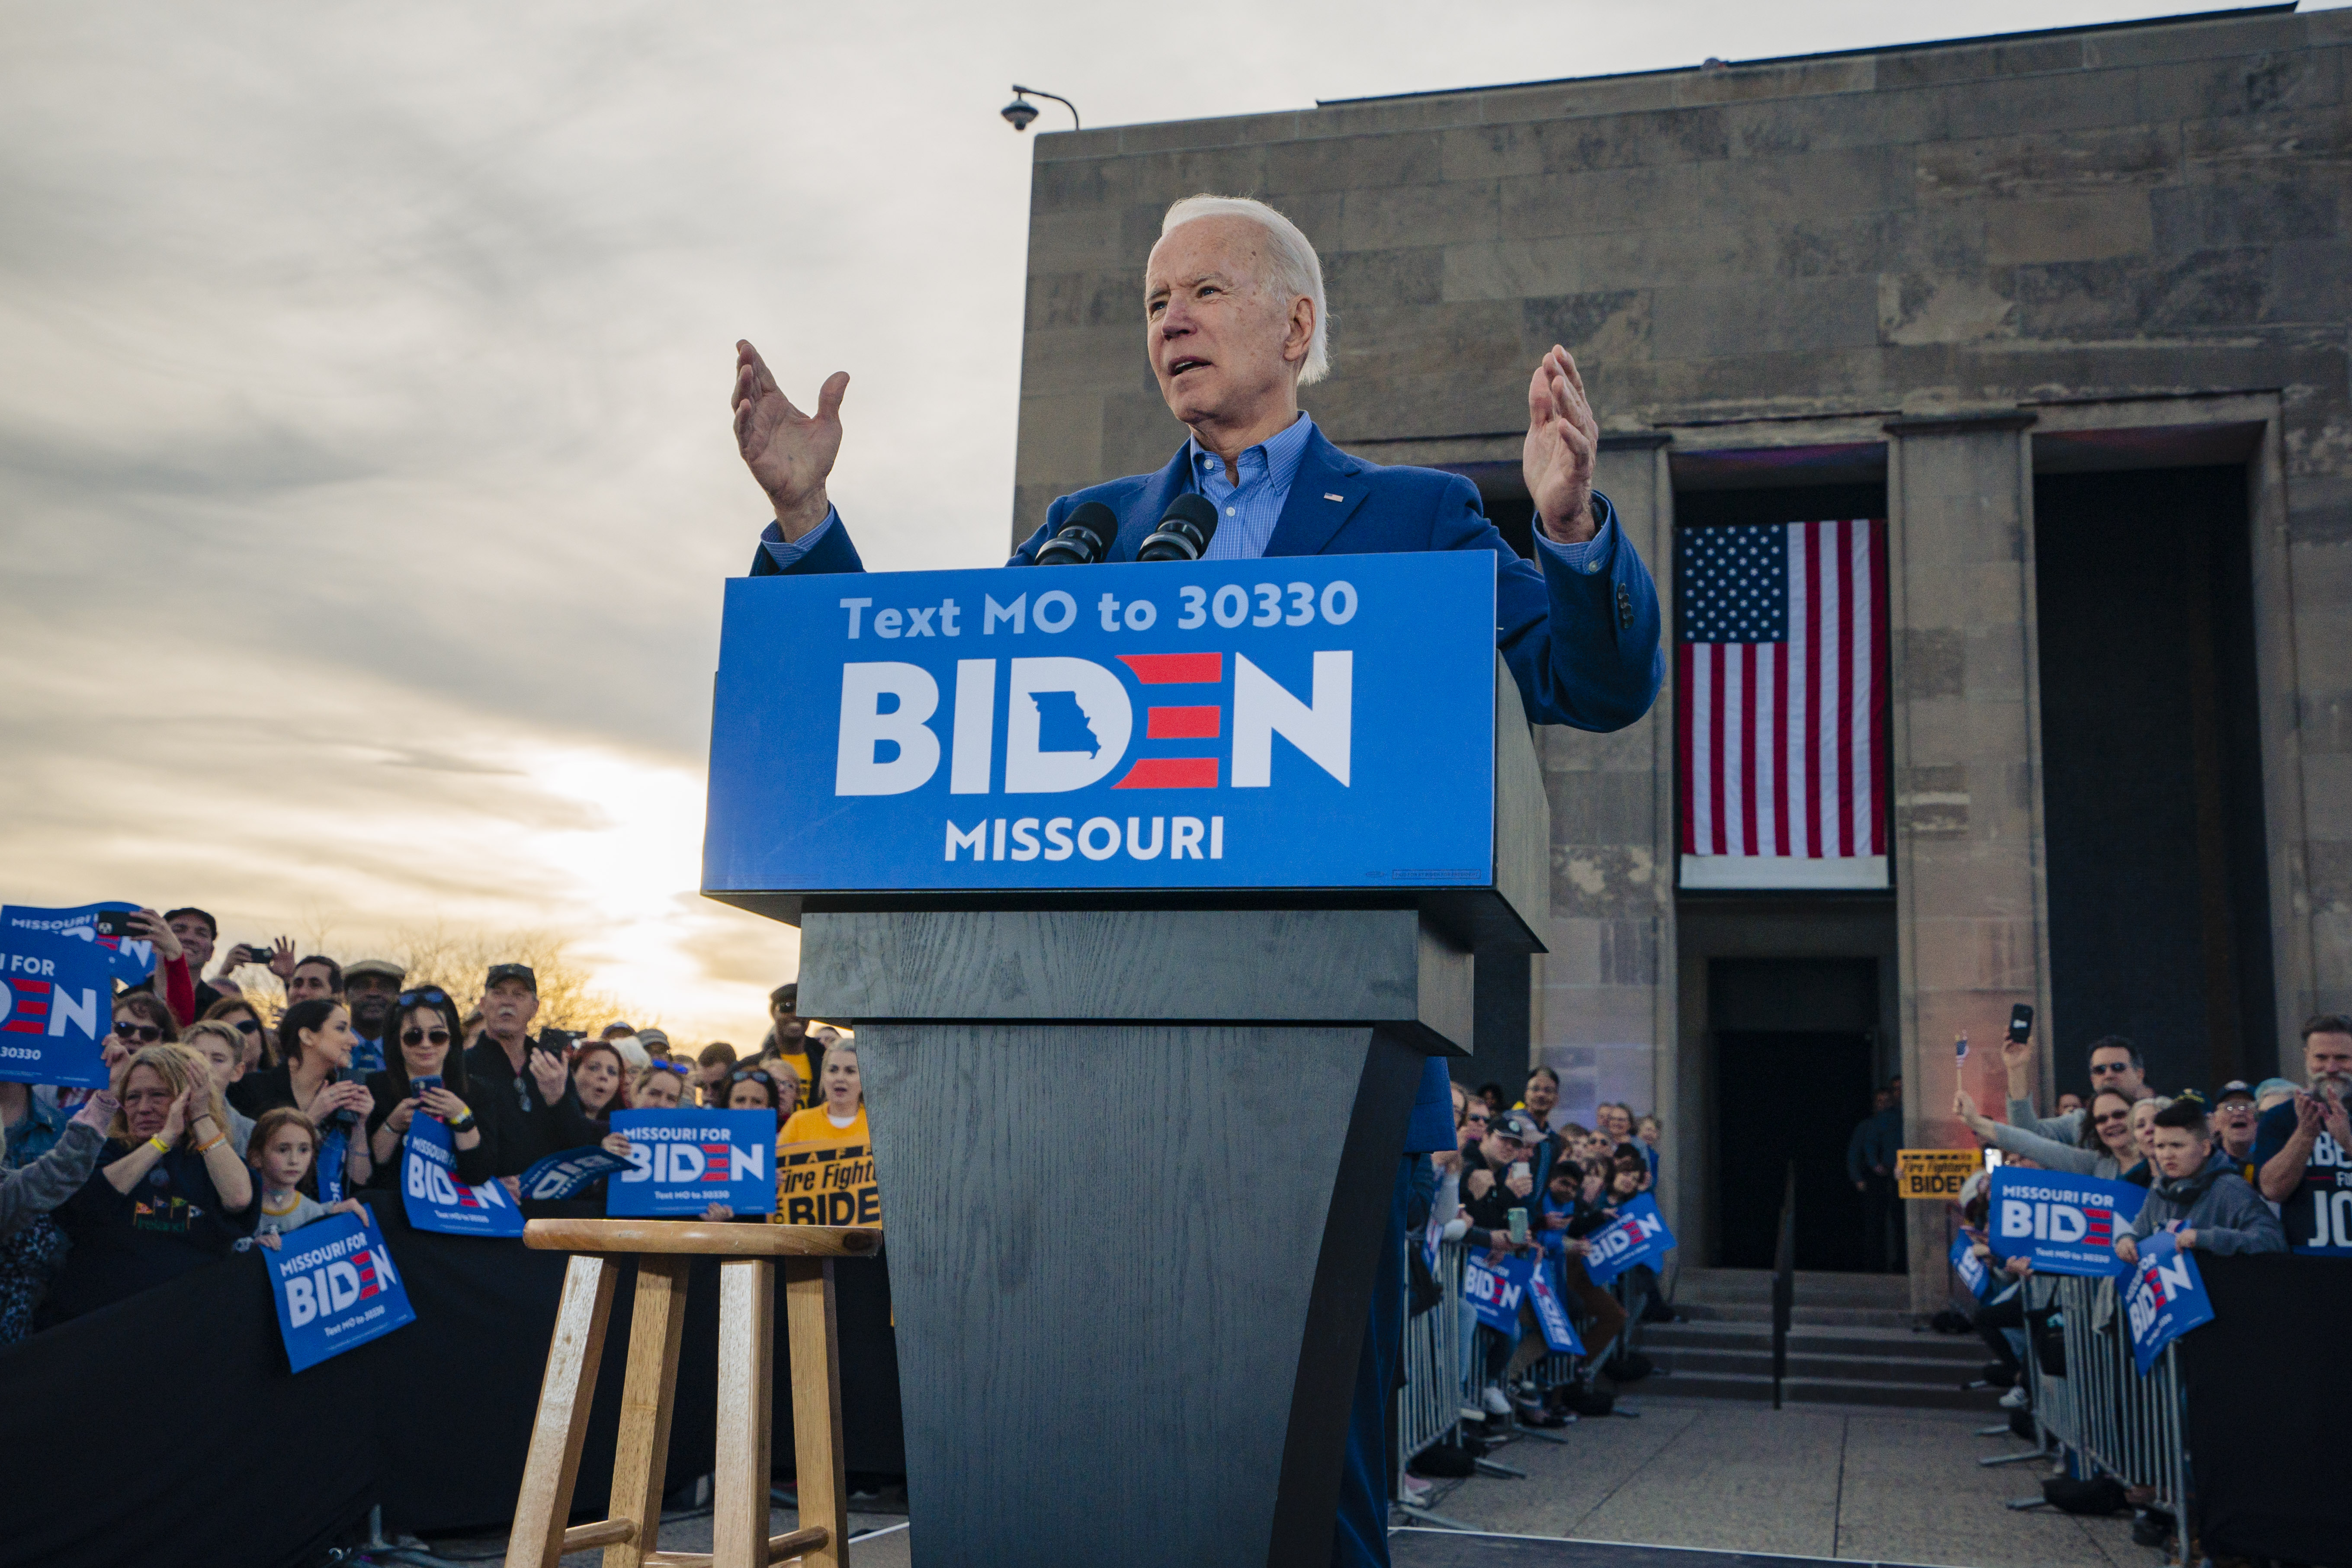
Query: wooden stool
{"points": [[665, 1250]]}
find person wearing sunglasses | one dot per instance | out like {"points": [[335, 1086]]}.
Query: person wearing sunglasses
{"points": [[422, 1034], [757, 1089], [260, 1050], [1476, 1117], [2115, 1067], [141, 1018], [2104, 1148]]}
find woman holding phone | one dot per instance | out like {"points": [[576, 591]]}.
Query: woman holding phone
{"points": [[315, 1078], [425, 1072]]}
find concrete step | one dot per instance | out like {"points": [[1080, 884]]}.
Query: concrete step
{"points": [[1839, 1356], [1892, 1346], [1708, 1311], [1885, 1292], [1683, 1361], [1910, 1394]]}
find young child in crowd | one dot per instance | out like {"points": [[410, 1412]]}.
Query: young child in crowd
{"points": [[223, 1048], [284, 1145]]}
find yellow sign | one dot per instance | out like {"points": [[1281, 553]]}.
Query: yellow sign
{"points": [[1935, 1175], [826, 1183]]}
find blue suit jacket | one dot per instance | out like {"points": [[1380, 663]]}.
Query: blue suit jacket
{"points": [[1584, 645]]}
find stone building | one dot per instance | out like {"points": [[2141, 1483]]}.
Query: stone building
{"points": [[2068, 311]]}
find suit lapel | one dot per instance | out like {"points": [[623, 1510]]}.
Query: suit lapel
{"points": [[1141, 515], [1327, 489]]}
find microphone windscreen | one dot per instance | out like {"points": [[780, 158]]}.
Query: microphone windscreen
{"points": [[1096, 518], [1195, 509], [1184, 530]]}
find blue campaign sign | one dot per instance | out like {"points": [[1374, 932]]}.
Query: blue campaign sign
{"points": [[129, 959], [1317, 721], [2059, 1223], [686, 1160], [55, 1006], [335, 1288], [1551, 1316], [1639, 1236], [1969, 1266], [2163, 1298], [434, 1196], [569, 1174], [1497, 1292]]}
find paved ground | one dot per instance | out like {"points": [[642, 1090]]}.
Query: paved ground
{"points": [[1824, 1482], [1858, 1485], [885, 1546]]}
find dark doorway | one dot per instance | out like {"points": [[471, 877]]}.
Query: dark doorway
{"points": [[1790, 1096], [1794, 1043], [2159, 898]]}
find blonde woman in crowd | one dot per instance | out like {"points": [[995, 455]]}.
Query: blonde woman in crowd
{"points": [[169, 1194]]}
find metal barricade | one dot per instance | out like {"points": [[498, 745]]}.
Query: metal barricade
{"points": [[1440, 1380], [1434, 1356], [2099, 1409]]}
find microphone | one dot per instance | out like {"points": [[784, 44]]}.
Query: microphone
{"points": [[1184, 530], [1084, 537]]}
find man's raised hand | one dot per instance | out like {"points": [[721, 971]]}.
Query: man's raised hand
{"points": [[788, 452], [1562, 437]]}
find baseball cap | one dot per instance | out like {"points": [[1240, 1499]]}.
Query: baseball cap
{"points": [[2233, 1089], [512, 972], [383, 966], [1519, 1126], [654, 1038]]}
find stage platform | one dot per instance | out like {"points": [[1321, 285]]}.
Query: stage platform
{"points": [[1459, 1549]]}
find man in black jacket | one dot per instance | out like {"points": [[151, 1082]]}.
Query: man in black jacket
{"points": [[523, 1092]]}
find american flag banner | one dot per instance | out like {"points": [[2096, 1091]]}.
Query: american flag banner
{"points": [[1782, 702]]}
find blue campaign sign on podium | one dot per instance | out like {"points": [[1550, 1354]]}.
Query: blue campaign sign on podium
{"points": [[1323, 721]]}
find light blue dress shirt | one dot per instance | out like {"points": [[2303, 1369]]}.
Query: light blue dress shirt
{"points": [[1247, 511]]}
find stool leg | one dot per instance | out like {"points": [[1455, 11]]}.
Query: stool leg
{"points": [[815, 1346], [747, 1339], [641, 1456], [543, 1506]]}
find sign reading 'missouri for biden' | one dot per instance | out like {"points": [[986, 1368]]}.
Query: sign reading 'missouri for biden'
{"points": [[1305, 721]]}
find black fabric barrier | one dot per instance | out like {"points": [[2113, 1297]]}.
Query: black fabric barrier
{"points": [[167, 1425], [165, 1428], [2268, 1389]]}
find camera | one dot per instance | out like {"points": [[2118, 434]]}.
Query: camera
{"points": [[114, 923]]}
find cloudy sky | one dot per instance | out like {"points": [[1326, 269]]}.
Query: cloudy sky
{"points": [[365, 481]]}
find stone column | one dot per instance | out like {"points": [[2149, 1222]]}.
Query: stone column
{"points": [[1606, 1017], [1967, 749]]}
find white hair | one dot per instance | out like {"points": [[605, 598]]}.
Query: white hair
{"points": [[1296, 268]]}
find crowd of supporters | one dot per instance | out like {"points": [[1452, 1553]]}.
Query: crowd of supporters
{"points": [[1567, 1180], [226, 1124], [2243, 1168]]}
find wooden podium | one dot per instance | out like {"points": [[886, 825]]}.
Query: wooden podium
{"points": [[1136, 1150]]}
